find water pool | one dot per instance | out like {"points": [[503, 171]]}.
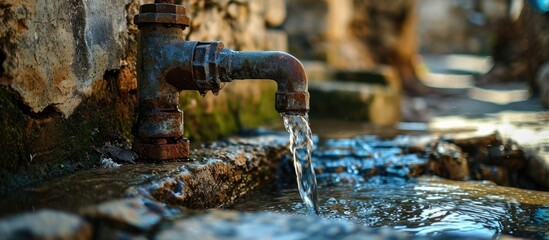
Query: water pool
{"points": [[372, 182]]}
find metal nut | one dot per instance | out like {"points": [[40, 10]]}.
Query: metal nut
{"points": [[164, 13]]}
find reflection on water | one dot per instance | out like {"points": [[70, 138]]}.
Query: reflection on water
{"points": [[424, 206], [368, 181]]}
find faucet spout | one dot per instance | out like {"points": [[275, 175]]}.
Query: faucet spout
{"points": [[212, 66], [283, 68]]}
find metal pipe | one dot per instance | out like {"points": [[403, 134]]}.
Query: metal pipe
{"points": [[167, 64], [213, 65], [159, 127], [283, 68]]}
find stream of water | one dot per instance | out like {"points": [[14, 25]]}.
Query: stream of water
{"points": [[301, 146]]}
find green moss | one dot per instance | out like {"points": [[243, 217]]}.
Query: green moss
{"points": [[345, 105], [260, 112], [239, 105]]}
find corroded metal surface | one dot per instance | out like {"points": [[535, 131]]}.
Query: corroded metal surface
{"points": [[164, 12], [162, 150], [159, 125], [168, 64], [285, 69], [213, 65]]}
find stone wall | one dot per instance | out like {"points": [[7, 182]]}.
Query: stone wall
{"points": [[520, 53], [348, 34], [244, 25], [55, 51], [461, 26], [357, 35], [68, 82], [360, 34]]}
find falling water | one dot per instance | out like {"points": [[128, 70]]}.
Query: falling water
{"points": [[301, 146]]}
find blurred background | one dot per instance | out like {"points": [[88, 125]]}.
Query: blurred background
{"points": [[449, 57]]}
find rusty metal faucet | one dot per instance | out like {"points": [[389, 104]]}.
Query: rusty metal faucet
{"points": [[167, 64]]}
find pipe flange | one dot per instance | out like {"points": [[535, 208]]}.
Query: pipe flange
{"points": [[206, 67], [163, 13], [162, 151]]}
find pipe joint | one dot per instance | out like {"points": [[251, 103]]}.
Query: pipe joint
{"points": [[208, 72]]}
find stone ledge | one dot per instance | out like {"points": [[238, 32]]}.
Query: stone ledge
{"points": [[237, 225], [135, 199], [219, 174], [148, 209]]}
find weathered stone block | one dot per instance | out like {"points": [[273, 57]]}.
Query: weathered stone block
{"points": [[55, 51], [45, 224], [355, 102], [132, 213], [217, 175], [372, 96]]}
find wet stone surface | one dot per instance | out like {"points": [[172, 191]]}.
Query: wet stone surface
{"points": [[239, 225], [135, 214], [219, 173], [389, 182], [132, 200], [369, 187], [367, 156], [489, 157], [522, 145], [45, 224]]}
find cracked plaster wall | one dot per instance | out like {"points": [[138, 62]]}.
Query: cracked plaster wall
{"points": [[55, 50]]}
